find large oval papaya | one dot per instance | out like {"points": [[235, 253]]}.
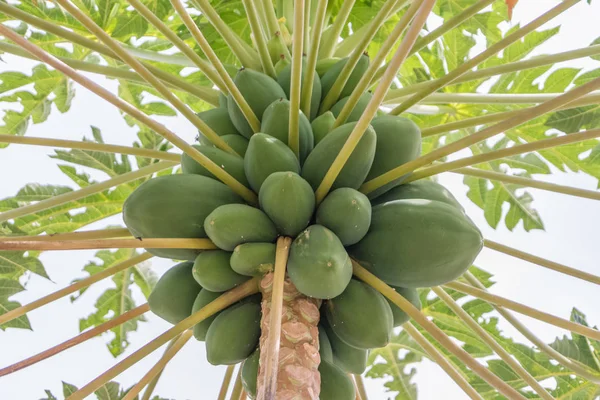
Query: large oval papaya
{"points": [[231, 164], [318, 264], [410, 294], [350, 359], [259, 90], [418, 243], [213, 272], [173, 296], [234, 334], [265, 156], [335, 383], [324, 346], [218, 120], [398, 142], [421, 189], [347, 213], [284, 79], [360, 316], [249, 373], [358, 109], [204, 297], [174, 206], [332, 74], [289, 202], [276, 122], [253, 259], [233, 224], [322, 125]]}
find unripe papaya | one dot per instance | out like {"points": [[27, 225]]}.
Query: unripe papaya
{"points": [[350, 359], [259, 90], [418, 243], [253, 259], [276, 47], [332, 74], [421, 189], [281, 64], [325, 64], [335, 383], [276, 122], [218, 120], [398, 142], [358, 109], [249, 373], [234, 224], [324, 346], [322, 125], [204, 297], [222, 100], [213, 272], [356, 168], [347, 213], [318, 264], [289, 202], [234, 334], [284, 79], [360, 316], [174, 206], [231, 69], [237, 143], [400, 317], [231, 164], [173, 296], [266, 155]]}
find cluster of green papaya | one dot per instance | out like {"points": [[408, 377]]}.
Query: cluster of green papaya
{"points": [[409, 235]]}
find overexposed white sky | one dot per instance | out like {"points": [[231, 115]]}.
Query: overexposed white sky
{"points": [[570, 238]]}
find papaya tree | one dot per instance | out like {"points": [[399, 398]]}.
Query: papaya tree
{"points": [[309, 236]]}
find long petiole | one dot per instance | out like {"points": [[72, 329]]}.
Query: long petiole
{"points": [[138, 243], [296, 78], [226, 381], [331, 38], [259, 37], [238, 388], [491, 98], [152, 385], [311, 60], [82, 235]]}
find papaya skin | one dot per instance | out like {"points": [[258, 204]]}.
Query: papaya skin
{"points": [[213, 272], [253, 259], [335, 383], [347, 213], [284, 79], [358, 109], [325, 350], [348, 358], [249, 375], [334, 71], [322, 125], [204, 297], [421, 189], [412, 295], [233, 165], [218, 120]]}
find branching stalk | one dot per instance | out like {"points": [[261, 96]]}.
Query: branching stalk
{"points": [[311, 60], [25, 245], [226, 381], [296, 78], [259, 37], [330, 40]]}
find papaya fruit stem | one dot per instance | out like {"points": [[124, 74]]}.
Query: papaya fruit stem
{"points": [[226, 381], [259, 37], [311, 60], [360, 386], [237, 386], [371, 109], [296, 78], [82, 337], [435, 332], [214, 60], [306, 29], [330, 41], [137, 243], [160, 365], [506, 152], [225, 300], [484, 55], [82, 235]]}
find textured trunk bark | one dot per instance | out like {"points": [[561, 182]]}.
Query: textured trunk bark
{"points": [[298, 377]]}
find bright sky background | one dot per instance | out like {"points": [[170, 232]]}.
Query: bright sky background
{"points": [[571, 238]]}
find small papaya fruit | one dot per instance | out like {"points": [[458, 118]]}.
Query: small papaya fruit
{"points": [[266, 155], [400, 317], [335, 383], [333, 72], [253, 259], [289, 202], [284, 79], [249, 373], [418, 243], [324, 64], [360, 316], [318, 263], [421, 189], [234, 334], [398, 142], [218, 120], [173, 296], [350, 359], [276, 122], [324, 346], [204, 297], [213, 272], [259, 90], [174, 206], [237, 143], [356, 168], [322, 125], [234, 224], [347, 213], [358, 109], [276, 47], [231, 164], [281, 64]]}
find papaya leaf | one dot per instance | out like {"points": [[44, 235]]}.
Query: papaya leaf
{"points": [[109, 391], [396, 366], [578, 347], [15, 263], [20, 323]]}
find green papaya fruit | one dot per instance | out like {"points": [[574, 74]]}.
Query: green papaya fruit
{"points": [[233, 165], [284, 79], [276, 122], [266, 155], [173, 296], [213, 272], [418, 243], [324, 346], [237, 143], [222, 100], [174, 206], [325, 64], [421, 189], [218, 120], [281, 64], [358, 109], [234, 334], [253, 259], [322, 125], [356, 168], [410, 294], [231, 69], [360, 316], [347, 213], [204, 297], [318, 263], [234, 224], [335, 383], [350, 359], [332, 74], [276, 47], [249, 373], [289, 202], [259, 90], [398, 142]]}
